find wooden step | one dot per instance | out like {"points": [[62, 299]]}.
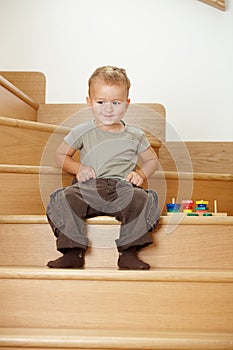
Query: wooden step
{"points": [[184, 300], [63, 339], [35, 183], [194, 242]]}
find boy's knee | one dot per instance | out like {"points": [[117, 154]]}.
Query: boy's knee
{"points": [[71, 195], [140, 197]]}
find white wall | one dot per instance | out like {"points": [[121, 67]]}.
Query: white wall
{"points": [[176, 52]]}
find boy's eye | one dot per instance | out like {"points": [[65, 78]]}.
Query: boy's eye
{"points": [[113, 103], [116, 103]]}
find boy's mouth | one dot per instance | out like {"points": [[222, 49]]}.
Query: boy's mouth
{"points": [[108, 116]]}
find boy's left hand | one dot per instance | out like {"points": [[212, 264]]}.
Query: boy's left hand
{"points": [[134, 178]]}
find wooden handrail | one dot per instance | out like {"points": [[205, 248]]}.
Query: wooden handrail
{"points": [[57, 129], [30, 169], [17, 92], [25, 124], [195, 176], [50, 170]]}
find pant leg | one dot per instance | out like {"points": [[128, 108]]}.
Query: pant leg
{"points": [[136, 209], [68, 227], [138, 218], [68, 208]]}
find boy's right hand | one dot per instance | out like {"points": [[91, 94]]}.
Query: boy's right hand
{"points": [[85, 173]]}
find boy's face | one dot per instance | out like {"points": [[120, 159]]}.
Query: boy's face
{"points": [[108, 102]]}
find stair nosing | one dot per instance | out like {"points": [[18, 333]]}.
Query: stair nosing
{"points": [[176, 219], [114, 339], [107, 274]]}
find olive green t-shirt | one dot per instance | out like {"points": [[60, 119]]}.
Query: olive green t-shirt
{"points": [[110, 154]]}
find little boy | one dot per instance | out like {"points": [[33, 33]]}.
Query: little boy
{"points": [[107, 182]]}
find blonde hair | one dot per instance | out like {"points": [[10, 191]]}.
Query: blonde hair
{"points": [[111, 76]]}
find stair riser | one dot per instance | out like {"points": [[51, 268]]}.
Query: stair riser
{"points": [[21, 193], [25, 146], [109, 304], [188, 246], [31, 195]]}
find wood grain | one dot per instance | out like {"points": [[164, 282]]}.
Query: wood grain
{"points": [[32, 84], [219, 4], [178, 245], [64, 339], [13, 106], [102, 304]]}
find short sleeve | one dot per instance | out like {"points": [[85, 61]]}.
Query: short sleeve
{"points": [[143, 143], [73, 139], [75, 136]]}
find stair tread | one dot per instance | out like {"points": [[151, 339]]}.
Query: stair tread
{"points": [[178, 218], [108, 274], [113, 338]]}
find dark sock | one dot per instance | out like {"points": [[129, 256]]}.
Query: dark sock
{"points": [[128, 260], [73, 258]]}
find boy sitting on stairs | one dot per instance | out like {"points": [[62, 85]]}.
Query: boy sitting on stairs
{"points": [[106, 180]]}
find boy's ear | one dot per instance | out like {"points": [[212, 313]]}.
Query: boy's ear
{"points": [[88, 100], [128, 102]]}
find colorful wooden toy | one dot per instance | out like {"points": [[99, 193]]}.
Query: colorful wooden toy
{"points": [[189, 208]]}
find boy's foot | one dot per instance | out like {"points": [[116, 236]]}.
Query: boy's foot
{"points": [[73, 259], [129, 261]]}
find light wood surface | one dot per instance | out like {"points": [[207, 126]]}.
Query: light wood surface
{"points": [[32, 84], [149, 116], [25, 142], [210, 190], [108, 220], [34, 338], [31, 125], [13, 106], [17, 92], [34, 185], [171, 175], [219, 4], [183, 302], [102, 304], [176, 244], [206, 157], [158, 275]]}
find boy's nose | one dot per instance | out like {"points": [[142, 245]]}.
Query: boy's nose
{"points": [[108, 106]]}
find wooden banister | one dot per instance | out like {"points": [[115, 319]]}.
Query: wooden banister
{"points": [[25, 124], [57, 128], [10, 87], [50, 170]]}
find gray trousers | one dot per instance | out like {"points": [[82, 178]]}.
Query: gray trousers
{"points": [[136, 209]]}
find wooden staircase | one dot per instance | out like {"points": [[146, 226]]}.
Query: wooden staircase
{"points": [[184, 302]]}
